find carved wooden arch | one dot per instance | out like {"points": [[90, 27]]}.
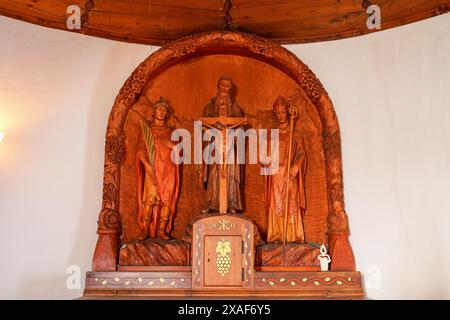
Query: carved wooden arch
{"points": [[109, 227]]}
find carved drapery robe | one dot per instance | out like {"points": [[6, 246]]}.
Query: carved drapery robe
{"points": [[161, 185], [276, 187], [234, 172]]}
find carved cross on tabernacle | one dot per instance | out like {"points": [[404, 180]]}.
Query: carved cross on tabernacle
{"points": [[222, 124], [224, 224]]}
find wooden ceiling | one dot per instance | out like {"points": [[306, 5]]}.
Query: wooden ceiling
{"points": [[156, 22]]}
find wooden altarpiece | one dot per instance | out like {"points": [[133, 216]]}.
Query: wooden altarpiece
{"points": [[213, 254]]}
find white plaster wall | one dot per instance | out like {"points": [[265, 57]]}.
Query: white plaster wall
{"points": [[390, 93], [56, 92]]}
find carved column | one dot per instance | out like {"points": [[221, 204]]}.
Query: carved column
{"points": [[109, 230], [339, 247], [342, 258]]}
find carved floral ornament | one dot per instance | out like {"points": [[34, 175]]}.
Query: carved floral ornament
{"points": [[108, 220], [332, 145], [109, 194], [193, 43], [133, 85], [115, 148], [247, 45]]}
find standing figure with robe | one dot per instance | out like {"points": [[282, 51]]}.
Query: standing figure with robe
{"points": [[158, 176], [223, 105], [276, 189]]}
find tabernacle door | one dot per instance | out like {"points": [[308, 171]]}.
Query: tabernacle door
{"points": [[223, 261], [223, 252]]}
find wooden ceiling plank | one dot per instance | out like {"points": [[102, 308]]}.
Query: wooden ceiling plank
{"points": [[149, 5], [156, 21], [31, 9]]}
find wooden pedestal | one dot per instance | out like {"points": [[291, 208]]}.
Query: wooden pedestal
{"points": [[267, 285]]}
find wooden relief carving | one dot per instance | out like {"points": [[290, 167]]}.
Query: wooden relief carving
{"points": [[261, 71], [115, 148], [223, 260], [223, 224], [109, 221]]}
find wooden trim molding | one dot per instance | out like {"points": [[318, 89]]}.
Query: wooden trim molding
{"points": [[269, 285]]}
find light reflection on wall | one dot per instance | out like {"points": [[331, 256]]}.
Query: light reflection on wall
{"points": [[9, 127]]}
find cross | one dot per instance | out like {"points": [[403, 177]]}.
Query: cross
{"points": [[222, 124]]}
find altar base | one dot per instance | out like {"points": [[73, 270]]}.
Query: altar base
{"points": [[267, 285]]}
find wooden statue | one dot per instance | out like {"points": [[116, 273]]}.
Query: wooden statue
{"points": [[158, 176], [285, 190], [223, 180]]}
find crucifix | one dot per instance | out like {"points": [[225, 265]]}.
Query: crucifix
{"points": [[223, 123]]}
